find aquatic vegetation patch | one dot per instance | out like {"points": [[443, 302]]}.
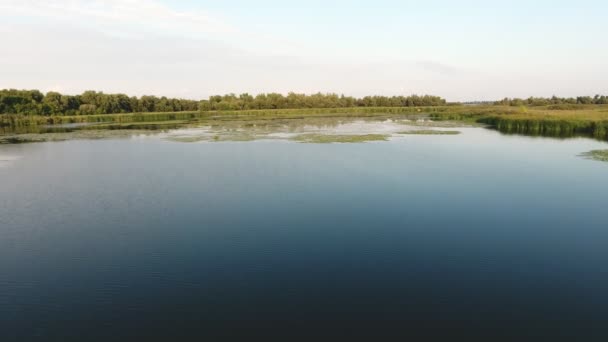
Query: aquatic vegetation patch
{"points": [[599, 155], [76, 135], [430, 132], [220, 137], [342, 138]]}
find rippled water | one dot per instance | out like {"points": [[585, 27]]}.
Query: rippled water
{"points": [[477, 235]]}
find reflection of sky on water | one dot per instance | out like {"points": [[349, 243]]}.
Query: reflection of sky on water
{"points": [[8, 160]]}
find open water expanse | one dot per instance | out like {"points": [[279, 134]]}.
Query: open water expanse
{"points": [[161, 237]]}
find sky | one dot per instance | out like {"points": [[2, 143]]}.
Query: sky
{"points": [[460, 50]]}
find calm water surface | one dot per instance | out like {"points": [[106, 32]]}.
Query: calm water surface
{"points": [[477, 235]]}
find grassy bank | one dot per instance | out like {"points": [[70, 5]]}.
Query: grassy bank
{"points": [[581, 120], [558, 123], [16, 121], [37, 120]]}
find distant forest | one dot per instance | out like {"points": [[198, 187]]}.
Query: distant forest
{"points": [[541, 101], [294, 101], [34, 102]]}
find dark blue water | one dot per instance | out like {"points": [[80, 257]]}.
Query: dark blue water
{"points": [[478, 236]]}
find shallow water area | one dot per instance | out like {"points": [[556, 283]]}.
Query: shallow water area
{"points": [[304, 130]]}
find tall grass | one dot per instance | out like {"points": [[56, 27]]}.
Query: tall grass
{"points": [[563, 121], [592, 121]]}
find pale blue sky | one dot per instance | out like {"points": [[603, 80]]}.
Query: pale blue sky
{"points": [[465, 50]]}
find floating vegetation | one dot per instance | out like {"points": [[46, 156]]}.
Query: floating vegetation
{"points": [[215, 137], [333, 138], [76, 135], [599, 155], [430, 132]]}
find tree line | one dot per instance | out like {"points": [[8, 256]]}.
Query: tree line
{"points": [[541, 101], [34, 102], [318, 100]]}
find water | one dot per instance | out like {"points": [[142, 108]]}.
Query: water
{"points": [[476, 235]]}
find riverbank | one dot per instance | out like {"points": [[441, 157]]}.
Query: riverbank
{"points": [[556, 121]]}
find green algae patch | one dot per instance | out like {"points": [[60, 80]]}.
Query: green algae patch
{"points": [[430, 132], [599, 155], [343, 138]]}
